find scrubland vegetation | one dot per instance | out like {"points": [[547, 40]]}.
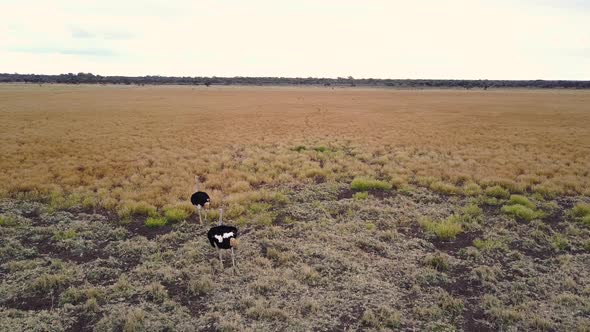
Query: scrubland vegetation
{"points": [[359, 209]]}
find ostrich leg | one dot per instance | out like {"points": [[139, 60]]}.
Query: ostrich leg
{"points": [[220, 259]]}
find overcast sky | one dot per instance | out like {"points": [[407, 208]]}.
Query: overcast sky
{"points": [[493, 39]]}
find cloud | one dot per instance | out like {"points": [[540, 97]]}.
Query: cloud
{"points": [[81, 33], [500, 39], [70, 51]]}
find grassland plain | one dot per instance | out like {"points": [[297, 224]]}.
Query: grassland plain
{"points": [[362, 209]]}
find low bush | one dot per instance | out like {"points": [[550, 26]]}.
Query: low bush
{"points": [[521, 212], [8, 221], [519, 199], [364, 184], [497, 192], [361, 195], [447, 229], [581, 210], [175, 215], [65, 235], [154, 222]]}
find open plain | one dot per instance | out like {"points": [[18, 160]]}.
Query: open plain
{"points": [[359, 209]]}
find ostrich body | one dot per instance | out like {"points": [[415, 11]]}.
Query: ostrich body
{"points": [[200, 199], [223, 237]]}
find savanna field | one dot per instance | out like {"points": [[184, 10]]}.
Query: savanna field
{"points": [[358, 209]]}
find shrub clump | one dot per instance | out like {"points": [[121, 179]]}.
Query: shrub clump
{"points": [[519, 199], [361, 196], [581, 210], [472, 213], [154, 222], [497, 192], [130, 209], [521, 212], [364, 184], [65, 235], [175, 215], [8, 221], [447, 229], [437, 261], [381, 317]]}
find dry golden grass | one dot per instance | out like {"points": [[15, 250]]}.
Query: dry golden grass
{"points": [[127, 146]]}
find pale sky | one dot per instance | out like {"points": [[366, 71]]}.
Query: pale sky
{"points": [[493, 39]]}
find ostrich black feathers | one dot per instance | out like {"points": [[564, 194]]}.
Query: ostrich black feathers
{"points": [[200, 198], [222, 235]]}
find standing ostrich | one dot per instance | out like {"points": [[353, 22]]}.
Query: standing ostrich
{"points": [[200, 199], [223, 237]]}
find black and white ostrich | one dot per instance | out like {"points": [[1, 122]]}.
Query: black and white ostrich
{"points": [[224, 237], [200, 199]]}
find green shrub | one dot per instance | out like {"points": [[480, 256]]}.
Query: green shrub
{"points": [[382, 317], [175, 215], [65, 235], [321, 149], [259, 207], [153, 222], [472, 213], [581, 210], [444, 188], [437, 261], [488, 244], [361, 195], [200, 286], [471, 189], [497, 192], [586, 220], [445, 229], [49, 282], [522, 212], [130, 209], [364, 184], [519, 199], [559, 242], [299, 148], [8, 221]]}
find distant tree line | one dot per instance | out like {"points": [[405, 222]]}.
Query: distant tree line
{"points": [[88, 78]]}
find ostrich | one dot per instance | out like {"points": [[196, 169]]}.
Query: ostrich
{"points": [[200, 199], [223, 237]]}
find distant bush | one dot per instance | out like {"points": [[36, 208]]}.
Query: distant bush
{"points": [[581, 210], [200, 286], [65, 235], [488, 244], [444, 188], [519, 199], [361, 195], [381, 317], [559, 242], [471, 189], [8, 221], [437, 261], [321, 149], [447, 229], [497, 192], [153, 222], [364, 184], [472, 213], [522, 212], [299, 148], [175, 215], [129, 209]]}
